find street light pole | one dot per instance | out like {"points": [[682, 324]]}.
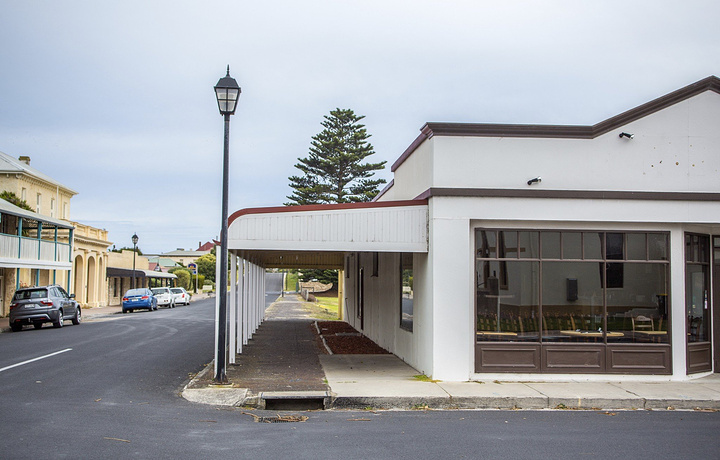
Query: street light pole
{"points": [[134, 240], [227, 92]]}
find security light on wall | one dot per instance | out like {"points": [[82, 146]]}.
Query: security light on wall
{"points": [[535, 180], [628, 135]]}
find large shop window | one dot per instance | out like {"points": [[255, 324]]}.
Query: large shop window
{"points": [[552, 286]]}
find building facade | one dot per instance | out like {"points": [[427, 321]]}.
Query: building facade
{"points": [[34, 250], [127, 270], [90, 261], [553, 251], [51, 199]]}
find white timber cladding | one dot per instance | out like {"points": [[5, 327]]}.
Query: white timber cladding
{"points": [[384, 229]]}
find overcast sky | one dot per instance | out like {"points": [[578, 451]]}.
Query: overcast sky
{"points": [[114, 99]]}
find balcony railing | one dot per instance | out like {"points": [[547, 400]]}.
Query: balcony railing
{"points": [[17, 247]]}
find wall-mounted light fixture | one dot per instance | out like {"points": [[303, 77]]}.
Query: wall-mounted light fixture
{"points": [[535, 180], [628, 135]]}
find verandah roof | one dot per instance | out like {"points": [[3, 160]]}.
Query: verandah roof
{"points": [[317, 236]]}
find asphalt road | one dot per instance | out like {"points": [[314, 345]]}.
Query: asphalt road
{"points": [[110, 389]]}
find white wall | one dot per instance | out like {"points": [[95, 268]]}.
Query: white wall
{"points": [[414, 176], [382, 306], [673, 150]]}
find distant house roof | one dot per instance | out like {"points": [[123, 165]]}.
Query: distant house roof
{"points": [[206, 247], [162, 262], [183, 253], [10, 165]]}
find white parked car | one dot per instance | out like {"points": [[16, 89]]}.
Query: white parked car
{"points": [[180, 296], [164, 297]]}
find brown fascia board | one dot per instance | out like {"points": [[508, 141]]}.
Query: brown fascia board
{"points": [[430, 129]]}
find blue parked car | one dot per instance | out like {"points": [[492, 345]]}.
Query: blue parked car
{"points": [[139, 299]]}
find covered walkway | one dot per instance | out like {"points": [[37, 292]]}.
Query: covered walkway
{"points": [[283, 354], [315, 236]]}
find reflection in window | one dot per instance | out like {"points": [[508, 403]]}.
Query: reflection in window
{"points": [[572, 300], [580, 287], [508, 312], [697, 281], [406, 297], [638, 311]]}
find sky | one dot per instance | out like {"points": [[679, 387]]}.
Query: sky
{"points": [[114, 99]]}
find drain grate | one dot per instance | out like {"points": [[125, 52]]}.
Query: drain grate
{"points": [[277, 418]]}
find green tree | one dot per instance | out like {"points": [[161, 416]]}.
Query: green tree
{"points": [[334, 171], [10, 197], [183, 276], [206, 266], [322, 276]]}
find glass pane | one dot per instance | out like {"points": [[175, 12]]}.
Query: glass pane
{"points": [[696, 302], [592, 245], [406, 307], [486, 243], [636, 246], [508, 245], [703, 248], [689, 255], [657, 246], [528, 245], [550, 245], [638, 313], [572, 302], [572, 245], [614, 246], [507, 301]]}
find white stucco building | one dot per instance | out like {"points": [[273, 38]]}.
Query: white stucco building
{"points": [[524, 250]]}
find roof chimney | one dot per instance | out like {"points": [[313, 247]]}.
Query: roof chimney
{"points": [[25, 159]]}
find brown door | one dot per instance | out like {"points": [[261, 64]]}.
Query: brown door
{"points": [[716, 300], [698, 302]]}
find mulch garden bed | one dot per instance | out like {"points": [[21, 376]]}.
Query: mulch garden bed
{"points": [[343, 339]]}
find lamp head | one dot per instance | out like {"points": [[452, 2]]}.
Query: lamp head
{"points": [[227, 93]]}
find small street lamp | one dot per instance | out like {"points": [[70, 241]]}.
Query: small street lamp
{"points": [[134, 240], [227, 93]]}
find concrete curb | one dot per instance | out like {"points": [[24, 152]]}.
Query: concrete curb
{"points": [[216, 395]]}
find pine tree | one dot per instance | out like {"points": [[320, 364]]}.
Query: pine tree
{"points": [[334, 171]]}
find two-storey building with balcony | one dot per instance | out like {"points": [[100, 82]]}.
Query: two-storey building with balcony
{"points": [[34, 250]]}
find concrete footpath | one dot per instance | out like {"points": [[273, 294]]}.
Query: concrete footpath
{"points": [[386, 382]]}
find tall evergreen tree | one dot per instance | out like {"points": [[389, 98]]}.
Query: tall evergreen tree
{"points": [[334, 171]]}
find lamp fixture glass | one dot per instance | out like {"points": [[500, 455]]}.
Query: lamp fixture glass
{"points": [[135, 238], [227, 93]]}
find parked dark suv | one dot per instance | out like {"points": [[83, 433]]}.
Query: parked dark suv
{"points": [[44, 304]]}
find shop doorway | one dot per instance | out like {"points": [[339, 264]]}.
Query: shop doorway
{"points": [[697, 303], [716, 301]]}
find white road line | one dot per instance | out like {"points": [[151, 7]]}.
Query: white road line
{"points": [[34, 359]]}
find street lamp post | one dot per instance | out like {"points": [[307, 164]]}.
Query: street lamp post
{"points": [[134, 240], [227, 93]]}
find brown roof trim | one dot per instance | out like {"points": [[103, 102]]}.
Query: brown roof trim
{"points": [[711, 83], [326, 207], [424, 134], [385, 189], [566, 194]]}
